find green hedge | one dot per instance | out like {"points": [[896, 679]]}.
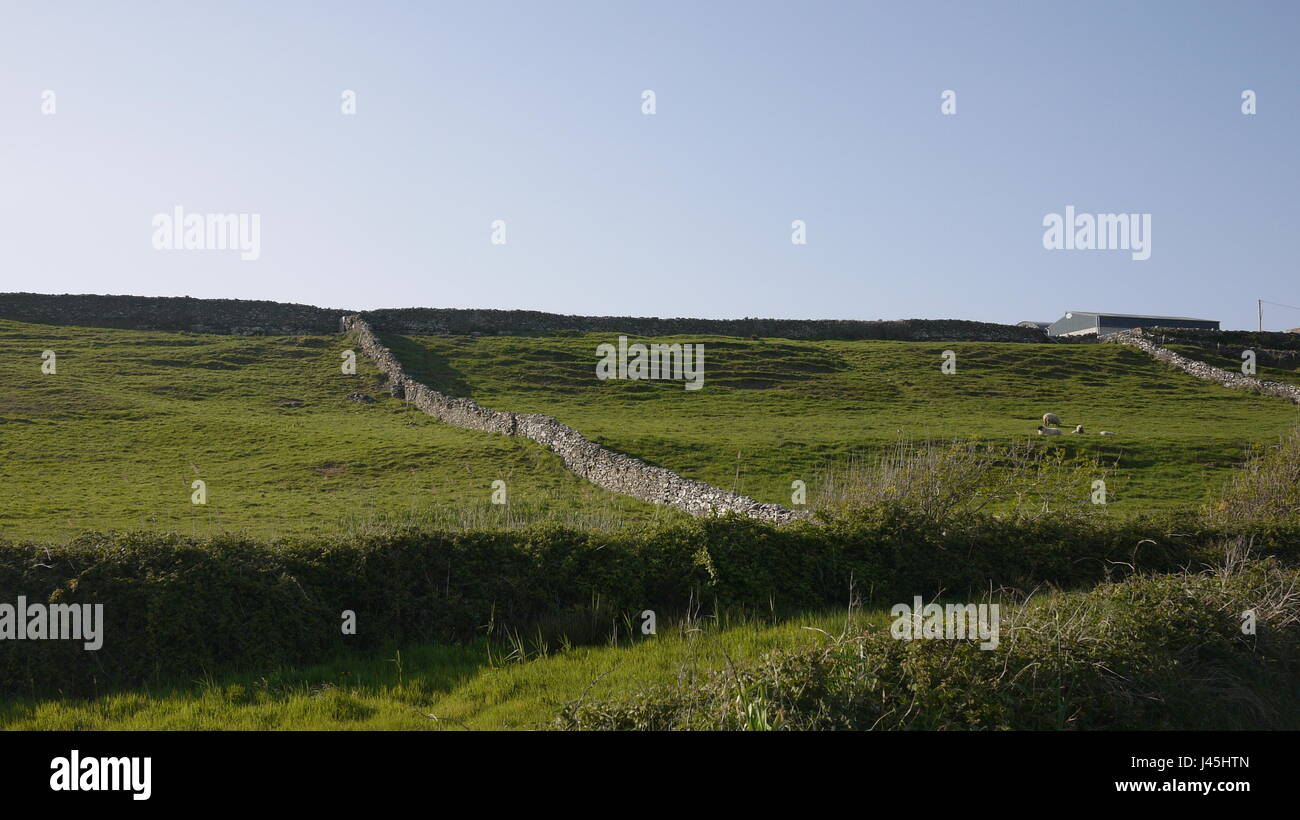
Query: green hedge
{"points": [[178, 607], [1154, 652]]}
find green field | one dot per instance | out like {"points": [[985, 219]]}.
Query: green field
{"points": [[115, 438], [775, 410]]}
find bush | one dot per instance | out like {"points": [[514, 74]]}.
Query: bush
{"points": [[1152, 652], [177, 606], [1265, 490]]}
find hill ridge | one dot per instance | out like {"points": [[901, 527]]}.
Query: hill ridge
{"points": [[262, 317]]}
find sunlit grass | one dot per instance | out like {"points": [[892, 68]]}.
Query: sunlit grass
{"points": [[115, 439], [773, 411], [477, 686]]}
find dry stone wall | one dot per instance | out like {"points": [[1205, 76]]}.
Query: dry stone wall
{"points": [[496, 322], [612, 471], [1232, 343], [1256, 340], [1201, 370], [242, 317], [248, 317]]}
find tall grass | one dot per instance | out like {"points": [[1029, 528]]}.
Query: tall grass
{"points": [[1151, 652], [614, 515], [946, 480], [1265, 490], [482, 685]]}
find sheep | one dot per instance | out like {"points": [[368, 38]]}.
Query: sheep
{"points": [[1051, 418], [1079, 429], [1105, 433], [1048, 431]]}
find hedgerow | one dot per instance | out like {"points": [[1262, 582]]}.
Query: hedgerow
{"points": [[1150, 652], [179, 606]]}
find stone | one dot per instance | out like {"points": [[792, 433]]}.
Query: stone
{"points": [[612, 471]]}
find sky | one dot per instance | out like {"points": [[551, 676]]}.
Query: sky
{"points": [[532, 113]]}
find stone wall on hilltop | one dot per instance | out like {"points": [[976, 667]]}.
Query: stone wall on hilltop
{"points": [[171, 313], [607, 469], [249, 317], [494, 322]]}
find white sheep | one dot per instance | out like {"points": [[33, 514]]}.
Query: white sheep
{"points": [[1051, 418], [1079, 429], [1105, 433], [1048, 431]]}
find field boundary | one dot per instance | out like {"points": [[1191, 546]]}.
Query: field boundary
{"points": [[1201, 370], [263, 318], [604, 468]]}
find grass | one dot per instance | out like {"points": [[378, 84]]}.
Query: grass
{"points": [[1150, 652], [116, 437], [773, 411], [1164, 652], [1286, 375], [476, 686]]}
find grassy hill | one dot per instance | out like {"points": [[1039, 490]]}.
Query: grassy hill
{"points": [[115, 438], [775, 410]]}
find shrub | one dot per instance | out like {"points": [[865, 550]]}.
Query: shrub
{"points": [[1266, 489], [177, 606], [1151, 652]]}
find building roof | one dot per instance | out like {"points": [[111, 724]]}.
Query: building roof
{"points": [[1100, 313]]}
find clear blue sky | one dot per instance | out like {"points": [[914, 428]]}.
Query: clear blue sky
{"points": [[766, 113]]}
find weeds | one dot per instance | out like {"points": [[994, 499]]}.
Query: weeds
{"points": [[1152, 652], [942, 481], [1266, 490]]}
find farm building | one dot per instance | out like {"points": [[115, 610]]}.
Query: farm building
{"points": [[1080, 323]]}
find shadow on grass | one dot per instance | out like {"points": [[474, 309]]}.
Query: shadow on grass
{"points": [[427, 366], [425, 670]]}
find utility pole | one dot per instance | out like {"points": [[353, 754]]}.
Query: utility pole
{"points": [[1260, 302]]}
